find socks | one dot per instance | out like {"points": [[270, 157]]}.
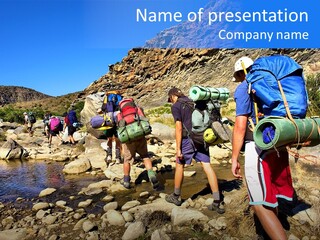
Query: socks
{"points": [[151, 173], [177, 191], [126, 178], [216, 196]]}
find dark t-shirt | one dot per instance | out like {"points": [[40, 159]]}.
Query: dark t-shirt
{"points": [[181, 111]]}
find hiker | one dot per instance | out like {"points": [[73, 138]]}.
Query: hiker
{"points": [[46, 129], [110, 106], [186, 150], [130, 149], [55, 128], [267, 176], [28, 123], [68, 123]]}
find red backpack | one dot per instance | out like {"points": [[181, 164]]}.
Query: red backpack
{"points": [[129, 112]]}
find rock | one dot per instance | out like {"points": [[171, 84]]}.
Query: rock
{"points": [[47, 192], [180, 216], [114, 218], [108, 198], [50, 219], [13, 234], [129, 205], [85, 203], [134, 231], [127, 216], [159, 235], [61, 203], [218, 224], [77, 166], [110, 206], [189, 173], [88, 225], [12, 150], [162, 131], [41, 205]]}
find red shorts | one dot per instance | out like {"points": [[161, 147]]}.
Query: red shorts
{"points": [[268, 176]]}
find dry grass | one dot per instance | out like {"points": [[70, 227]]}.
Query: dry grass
{"points": [[56, 105]]}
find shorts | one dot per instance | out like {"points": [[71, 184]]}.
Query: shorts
{"points": [[136, 146], [268, 177], [71, 130], [54, 133], [111, 132], [189, 152]]}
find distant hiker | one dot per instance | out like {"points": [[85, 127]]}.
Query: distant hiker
{"points": [[55, 127], [110, 106], [29, 120], [186, 150], [69, 120], [46, 119], [267, 175]]}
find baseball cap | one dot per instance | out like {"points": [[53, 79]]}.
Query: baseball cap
{"points": [[174, 91], [245, 61]]}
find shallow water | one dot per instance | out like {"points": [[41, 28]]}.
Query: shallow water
{"points": [[26, 179]]}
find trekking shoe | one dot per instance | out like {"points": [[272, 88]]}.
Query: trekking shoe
{"points": [[217, 207], [172, 198], [125, 184], [154, 182], [118, 160], [108, 159]]}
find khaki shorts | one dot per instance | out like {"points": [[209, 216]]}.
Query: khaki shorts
{"points": [[136, 146]]}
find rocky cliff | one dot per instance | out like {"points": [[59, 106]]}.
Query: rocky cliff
{"points": [[148, 74], [13, 94]]}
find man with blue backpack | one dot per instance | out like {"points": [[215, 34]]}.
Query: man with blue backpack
{"points": [[110, 106], [260, 94]]}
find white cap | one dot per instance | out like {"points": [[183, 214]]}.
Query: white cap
{"points": [[246, 61]]}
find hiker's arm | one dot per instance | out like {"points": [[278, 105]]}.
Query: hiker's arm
{"points": [[178, 139], [239, 132]]}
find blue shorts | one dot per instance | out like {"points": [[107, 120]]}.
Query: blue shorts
{"points": [[189, 152]]}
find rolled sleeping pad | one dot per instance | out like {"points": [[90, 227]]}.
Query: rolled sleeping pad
{"points": [[210, 137], [274, 132], [205, 93]]}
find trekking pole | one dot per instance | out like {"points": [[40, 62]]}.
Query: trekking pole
{"points": [[254, 99]]}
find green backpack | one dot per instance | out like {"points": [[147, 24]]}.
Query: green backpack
{"points": [[31, 117]]}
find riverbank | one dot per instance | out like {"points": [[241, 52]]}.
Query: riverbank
{"points": [[104, 209]]}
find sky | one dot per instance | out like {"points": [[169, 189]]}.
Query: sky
{"points": [[61, 46]]}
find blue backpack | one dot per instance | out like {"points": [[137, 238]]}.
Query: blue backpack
{"points": [[72, 116], [111, 102], [268, 75]]}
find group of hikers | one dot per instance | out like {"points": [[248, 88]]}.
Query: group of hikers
{"points": [[267, 172], [53, 125]]}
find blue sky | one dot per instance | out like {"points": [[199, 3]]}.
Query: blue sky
{"points": [[61, 46]]}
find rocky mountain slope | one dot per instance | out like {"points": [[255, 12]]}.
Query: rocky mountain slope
{"points": [[13, 94], [148, 74]]}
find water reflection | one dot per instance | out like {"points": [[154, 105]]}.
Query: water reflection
{"points": [[27, 179]]}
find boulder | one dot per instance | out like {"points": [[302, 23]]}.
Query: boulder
{"points": [[92, 103], [12, 150], [77, 166]]}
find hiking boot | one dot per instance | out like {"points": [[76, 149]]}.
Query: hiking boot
{"points": [[125, 184], [154, 182], [108, 159], [172, 198], [217, 207]]}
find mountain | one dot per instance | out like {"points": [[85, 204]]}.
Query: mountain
{"points": [[148, 74], [14, 94]]}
